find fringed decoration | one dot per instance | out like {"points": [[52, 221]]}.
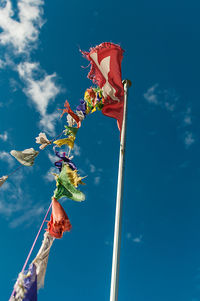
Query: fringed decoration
{"points": [[25, 157], [70, 112], [26, 286], [105, 71], [65, 159], [74, 177], [95, 74], [69, 141], [59, 222], [41, 259], [80, 115], [42, 139], [70, 120], [65, 188], [70, 131], [2, 180]]}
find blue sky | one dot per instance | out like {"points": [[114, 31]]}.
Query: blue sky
{"points": [[40, 67]]}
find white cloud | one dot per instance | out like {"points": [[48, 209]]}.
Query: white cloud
{"points": [[23, 33], [187, 120], [5, 186], [166, 99], [128, 235], [41, 91], [189, 139], [52, 158], [187, 117], [92, 168], [97, 180], [6, 157], [137, 239], [14, 85], [95, 171], [2, 64], [48, 122], [4, 136], [169, 107], [7, 209], [27, 217], [151, 95], [12, 188], [19, 209], [108, 243], [6, 62], [48, 176], [76, 150]]}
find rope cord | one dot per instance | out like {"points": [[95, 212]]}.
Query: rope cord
{"points": [[20, 166], [31, 250]]}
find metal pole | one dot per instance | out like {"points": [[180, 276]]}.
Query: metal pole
{"points": [[118, 213]]}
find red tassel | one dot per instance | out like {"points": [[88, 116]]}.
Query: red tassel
{"points": [[59, 222], [70, 112]]}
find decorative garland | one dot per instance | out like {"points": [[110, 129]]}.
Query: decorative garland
{"points": [[67, 181]]}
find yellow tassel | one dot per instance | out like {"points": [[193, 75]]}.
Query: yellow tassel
{"points": [[74, 177]]}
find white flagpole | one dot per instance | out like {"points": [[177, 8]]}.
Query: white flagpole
{"points": [[118, 213]]}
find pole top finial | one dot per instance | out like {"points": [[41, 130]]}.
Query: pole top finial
{"points": [[128, 82]]}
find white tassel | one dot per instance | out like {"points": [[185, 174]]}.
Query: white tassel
{"points": [[80, 115], [42, 139], [20, 290], [70, 120], [2, 180]]}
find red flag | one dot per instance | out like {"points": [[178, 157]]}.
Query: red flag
{"points": [[106, 73]]}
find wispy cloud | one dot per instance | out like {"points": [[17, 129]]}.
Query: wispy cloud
{"points": [[92, 168], [169, 100], [189, 139], [166, 99], [6, 157], [151, 95], [27, 217], [49, 177], [97, 180], [95, 171], [2, 64], [20, 208], [4, 136], [187, 119], [41, 91], [108, 243], [137, 239], [21, 34], [48, 122], [76, 150], [52, 157], [13, 189]]}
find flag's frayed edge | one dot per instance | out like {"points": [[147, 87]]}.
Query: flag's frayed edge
{"points": [[95, 74]]}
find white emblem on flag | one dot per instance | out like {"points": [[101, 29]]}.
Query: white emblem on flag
{"points": [[104, 67]]}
